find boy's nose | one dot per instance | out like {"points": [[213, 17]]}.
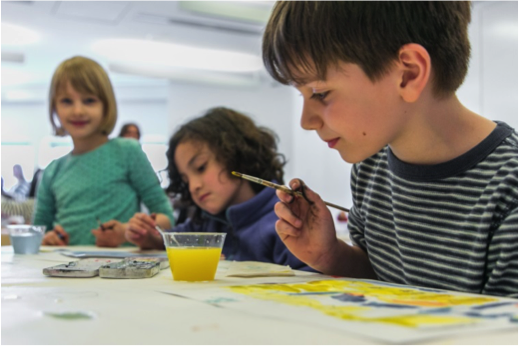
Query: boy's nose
{"points": [[310, 120]]}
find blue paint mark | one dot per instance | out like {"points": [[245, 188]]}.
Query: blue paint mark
{"points": [[389, 284], [388, 305], [445, 310], [488, 316], [312, 293], [220, 300], [345, 297], [493, 305]]}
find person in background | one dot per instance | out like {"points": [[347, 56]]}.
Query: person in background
{"points": [[434, 184], [100, 180], [201, 156], [130, 130], [14, 211], [5, 195], [20, 190], [35, 182]]}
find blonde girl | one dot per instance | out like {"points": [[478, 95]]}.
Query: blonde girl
{"points": [[100, 179]]}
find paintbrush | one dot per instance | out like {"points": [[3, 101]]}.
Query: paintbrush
{"points": [[282, 188], [100, 224]]}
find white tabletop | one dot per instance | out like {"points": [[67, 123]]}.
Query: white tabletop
{"points": [[159, 310]]}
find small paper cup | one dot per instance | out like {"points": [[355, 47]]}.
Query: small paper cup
{"points": [[26, 239], [193, 256]]}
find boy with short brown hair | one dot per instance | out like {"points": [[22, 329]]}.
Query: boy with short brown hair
{"points": [[434, 184]]}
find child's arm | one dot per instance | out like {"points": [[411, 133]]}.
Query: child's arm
{"points": [[502, 258], [306, 227]]}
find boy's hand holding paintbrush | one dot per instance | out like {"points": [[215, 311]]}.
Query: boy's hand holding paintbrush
{"points": [[305, 223]]}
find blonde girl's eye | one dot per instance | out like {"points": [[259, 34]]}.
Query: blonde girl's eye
{"points": [[90, 100], [65, 101]]}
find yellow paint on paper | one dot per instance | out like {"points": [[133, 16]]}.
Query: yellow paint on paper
{"points": [[193, 263], [300, 294]]}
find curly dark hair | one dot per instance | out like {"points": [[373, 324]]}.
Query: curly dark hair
{"points": [[237, 143]]}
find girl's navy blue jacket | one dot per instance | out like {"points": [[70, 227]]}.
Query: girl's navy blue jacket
{"points": [[251, 233]]}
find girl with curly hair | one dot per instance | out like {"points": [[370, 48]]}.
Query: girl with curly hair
{"points": [[202, 154]]}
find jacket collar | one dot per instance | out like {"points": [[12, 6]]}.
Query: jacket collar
{"points": [[247, 212]]}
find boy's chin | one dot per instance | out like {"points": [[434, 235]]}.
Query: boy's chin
{"points": [[348, 157]]}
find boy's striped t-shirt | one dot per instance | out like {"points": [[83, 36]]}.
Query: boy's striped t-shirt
{"points": [[451, 226]]}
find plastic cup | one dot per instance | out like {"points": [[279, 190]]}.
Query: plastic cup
{"points": [[193, 256], [26, 239]]}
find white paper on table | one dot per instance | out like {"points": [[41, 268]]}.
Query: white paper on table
{"points": [[249, 269]]}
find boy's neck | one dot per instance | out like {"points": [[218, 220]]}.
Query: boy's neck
{"points": [[439, 131], [82, 146]]}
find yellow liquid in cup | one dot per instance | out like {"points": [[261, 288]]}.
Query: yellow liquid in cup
{"points": [[193, 263]]}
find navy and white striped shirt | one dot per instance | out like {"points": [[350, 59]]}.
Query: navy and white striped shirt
{"points": [[452, 225]]}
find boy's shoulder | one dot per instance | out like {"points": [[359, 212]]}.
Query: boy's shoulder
{"points": [[497, 152]]}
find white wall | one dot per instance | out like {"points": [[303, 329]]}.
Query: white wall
{"points": [[490, 88], [28, 122]]}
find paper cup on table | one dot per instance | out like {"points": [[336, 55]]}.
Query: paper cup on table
{"points": [[26, 239], [193, 256]]}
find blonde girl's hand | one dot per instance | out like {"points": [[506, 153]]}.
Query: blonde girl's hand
{"points": [[112, 235], [141, 232], [306, 226], [57, 237]]}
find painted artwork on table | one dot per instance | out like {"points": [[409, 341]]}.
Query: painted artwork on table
{"points": [[387, 312]]}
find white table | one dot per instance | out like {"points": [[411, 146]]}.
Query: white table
{"points": [[147, 311]]}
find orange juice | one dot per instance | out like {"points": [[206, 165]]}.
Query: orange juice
{"points": [[193, 263]]}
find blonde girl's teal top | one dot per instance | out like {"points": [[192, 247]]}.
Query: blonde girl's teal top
{"points": [[109, 182]]}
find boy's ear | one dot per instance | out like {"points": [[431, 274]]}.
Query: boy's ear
{"points": [[415, 67]]}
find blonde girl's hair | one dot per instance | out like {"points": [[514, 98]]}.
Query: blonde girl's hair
{"points": [[88, 77]]}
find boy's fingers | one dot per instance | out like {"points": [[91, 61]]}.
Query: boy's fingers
{"points": [[308, 194], [285, 230], [284, 213], [285, 197]]}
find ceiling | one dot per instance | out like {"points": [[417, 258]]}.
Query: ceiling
{"points": [[68, 28]]}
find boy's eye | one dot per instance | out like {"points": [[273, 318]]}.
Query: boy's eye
{"points": [[319, 96]]}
